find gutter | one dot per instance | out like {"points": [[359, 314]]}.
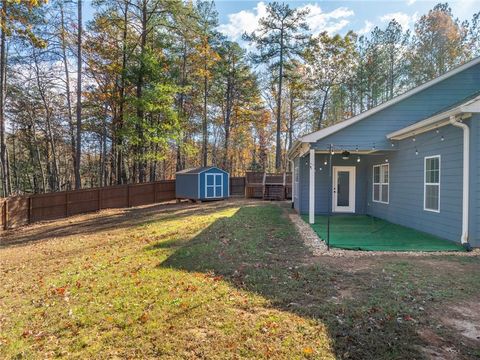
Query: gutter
{"points": [[466, 179]]}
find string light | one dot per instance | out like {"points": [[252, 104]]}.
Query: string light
{"points": [[358, 159], [416, 151], [392, 144], [386, 160], [442, 138]]}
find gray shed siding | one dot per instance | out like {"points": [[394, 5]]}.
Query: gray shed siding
{"points": [[411, 110], [186, 186]]}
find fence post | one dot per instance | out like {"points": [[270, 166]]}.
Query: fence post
{"points": [[29, 209], [128, 195], [67, 199], [5, 217]]}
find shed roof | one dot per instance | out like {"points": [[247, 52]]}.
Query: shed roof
{"points": [[198, 170]]}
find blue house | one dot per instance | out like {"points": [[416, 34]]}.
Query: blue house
{"points": [[202, 183], [413, 160]]}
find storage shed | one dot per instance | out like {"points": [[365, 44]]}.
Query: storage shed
{"points": [[202, 183]]}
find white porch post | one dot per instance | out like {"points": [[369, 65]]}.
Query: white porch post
{"points": [[292, 164], [311, 202]]}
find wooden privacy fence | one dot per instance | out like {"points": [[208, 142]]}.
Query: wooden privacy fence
{"points": [[21, 210]]}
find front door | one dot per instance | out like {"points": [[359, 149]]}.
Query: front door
{"points": [[343, 196]]}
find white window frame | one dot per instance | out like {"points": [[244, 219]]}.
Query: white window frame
{"points": [[430, 184], [381, 183]]}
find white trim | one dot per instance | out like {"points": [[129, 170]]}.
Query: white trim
{"points": [[214, 186], [351, 185], [466, 109], [466, 178], [381, 183], [228, 184], [320, 134], [431, 184], [311, 202], [292, 164]]}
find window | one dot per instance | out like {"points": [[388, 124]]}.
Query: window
{"points": [[381, 181], [431, 200]]}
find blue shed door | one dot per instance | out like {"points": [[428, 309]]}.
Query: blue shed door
{"points": [[214, 185]]}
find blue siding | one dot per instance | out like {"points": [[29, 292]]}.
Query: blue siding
{"points": [[226, 182], [323, 185], [406, 168], [405, 205], [407, 184], [475, 181], [192, 186], [296, 185], [411, 110]]}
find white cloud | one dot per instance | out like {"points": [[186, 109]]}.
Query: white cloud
{"points": [[331, 22], [402, 18], [317, 20], [243, 21], [366, 28], [411, 2]]}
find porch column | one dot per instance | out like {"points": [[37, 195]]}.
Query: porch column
{"points": [[292, 165], [311, 202]]}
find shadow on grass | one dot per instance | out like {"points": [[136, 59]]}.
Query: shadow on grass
{"points": [[369, 310], [92, 223]]}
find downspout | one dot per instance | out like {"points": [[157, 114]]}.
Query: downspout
{"points": [[466, 179]]}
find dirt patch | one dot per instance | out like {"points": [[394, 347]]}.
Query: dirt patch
{"points": [[437, 347], [464, 318]]}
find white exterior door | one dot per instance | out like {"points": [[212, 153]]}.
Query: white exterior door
{"points": [[343, 188], [213, 185]]}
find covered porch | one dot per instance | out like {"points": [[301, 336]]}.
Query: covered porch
{"points": [[341, 181]]}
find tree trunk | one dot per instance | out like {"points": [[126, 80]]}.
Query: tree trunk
{"points": [[139, 93], [3, 70], [78, 152], [68, 91], [120, 171], [278, 149], [227, 122], [322, 110], [205, 120], [291, 121]]}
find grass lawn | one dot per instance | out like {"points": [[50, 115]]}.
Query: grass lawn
{"points": [[222, 280]]}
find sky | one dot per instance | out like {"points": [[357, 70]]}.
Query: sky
{"points": [[238, 16]]}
